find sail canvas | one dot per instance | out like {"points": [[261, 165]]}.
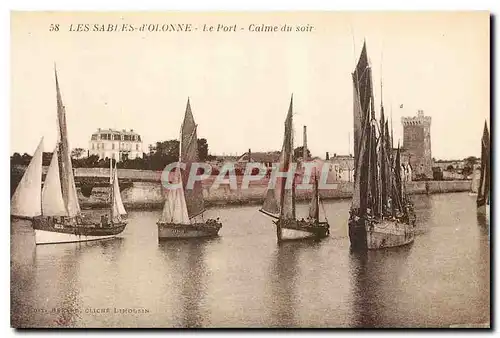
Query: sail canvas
{"points": [[26, 201], [52, 199]]}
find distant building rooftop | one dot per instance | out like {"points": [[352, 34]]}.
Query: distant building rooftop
{"points": [[116, 131]]}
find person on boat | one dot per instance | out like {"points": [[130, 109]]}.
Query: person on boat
{"points": [[104, 220]]}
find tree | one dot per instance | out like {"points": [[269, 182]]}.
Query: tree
{"points": [[46, 158], [299, 153], [26, 158], [471, 160], [77, 153], [202, 149], [450, 168], [16, 159]]}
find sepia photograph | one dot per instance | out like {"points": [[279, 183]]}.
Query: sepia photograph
{"points": [[272, 169]]}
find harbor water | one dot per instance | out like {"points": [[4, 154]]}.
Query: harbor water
{"points": [[245, 279]]}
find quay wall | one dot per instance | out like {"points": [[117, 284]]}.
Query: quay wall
{"points": [[150, 195], [142, 189]]}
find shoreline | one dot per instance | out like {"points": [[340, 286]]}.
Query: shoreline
{"points": [[157, 206]]}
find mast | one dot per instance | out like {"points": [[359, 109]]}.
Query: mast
{"points": [[111, 192], [305, 156], [383, 163], [65, 167]]}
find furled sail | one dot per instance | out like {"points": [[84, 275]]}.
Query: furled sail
{"points": [[26, 201], [66, 169], [314, 204], [362, 96], [484, 181], [120, 209], [52, 199], [189, 155], [362, 85]]}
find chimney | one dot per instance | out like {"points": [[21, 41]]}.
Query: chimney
{"points": [[249, 154], [98, 129], [327, 156], [131, 130], [304, 147], [334, 154]]}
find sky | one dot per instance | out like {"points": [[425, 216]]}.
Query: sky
{"points": [[240, 83]]}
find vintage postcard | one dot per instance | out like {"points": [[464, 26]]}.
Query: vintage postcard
{"points": [[250, 169]]}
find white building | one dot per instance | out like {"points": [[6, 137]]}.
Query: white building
{"points": [[342, 167], [116, 144]]}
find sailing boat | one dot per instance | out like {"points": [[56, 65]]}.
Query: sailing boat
{"points": [[381, 214], [483, 194], [182, 215], [60, 219], [280, 202], [26, 201]]}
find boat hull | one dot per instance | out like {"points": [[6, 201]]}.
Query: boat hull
{"points": [[388, 234], [380, 234], [484, 210], [28, 218], [180, 231], [52, 231], [296, 230]]}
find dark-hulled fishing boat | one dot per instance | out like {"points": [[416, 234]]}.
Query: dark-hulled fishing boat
{"points": [[381, 214], [280, 201]]}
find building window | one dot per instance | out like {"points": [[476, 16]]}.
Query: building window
{"points": [[137, 146], [113, 146], [93, 146]]}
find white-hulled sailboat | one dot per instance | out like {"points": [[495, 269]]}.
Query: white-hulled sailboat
{"points": [[280, 202], [182, 215], [60, 219], [483, 194], [27, 199]]}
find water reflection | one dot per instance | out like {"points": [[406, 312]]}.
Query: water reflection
{"points": [[377, 284], [22, 259], [244, 279], [187, 258], [284, 276]]}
